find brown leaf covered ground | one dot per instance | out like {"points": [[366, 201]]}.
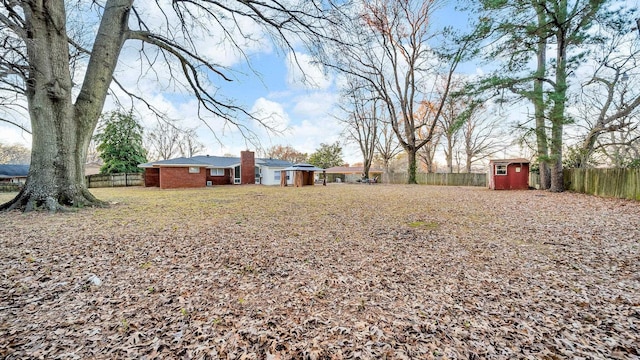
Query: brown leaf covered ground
{"points": [[336, 272]]}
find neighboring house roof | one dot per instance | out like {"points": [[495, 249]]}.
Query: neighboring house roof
{"points": [[350, 170], [302, 167], [9, 171]]}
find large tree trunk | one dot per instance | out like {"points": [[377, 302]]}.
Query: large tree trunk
{"points": [[559, 101], [411, 166], [539, 105], [62, 130], [386, 177], [366, 167]]}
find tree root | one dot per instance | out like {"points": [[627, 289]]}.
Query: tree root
{"points": [[27, 201]]}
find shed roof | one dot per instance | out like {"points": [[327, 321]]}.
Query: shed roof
{"points": [[510, 161], [303, 167], [13, 171]]}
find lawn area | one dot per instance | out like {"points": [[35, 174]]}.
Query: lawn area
{"points": [[335, 272]]}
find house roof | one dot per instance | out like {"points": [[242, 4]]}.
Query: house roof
{"points": [[13, 171], [302, 167], [218, 161], [350, 170], [273, 162], [510, 161], [181, 161], [213, 162]]}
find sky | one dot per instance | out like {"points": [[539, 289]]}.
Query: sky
{"points": [[303, 112], [269, 85]]}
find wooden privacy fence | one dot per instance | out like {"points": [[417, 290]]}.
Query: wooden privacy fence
{"points": [[466, 179], [9, 187], [619, 183], [115, 180]]}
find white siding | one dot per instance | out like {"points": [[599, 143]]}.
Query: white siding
{"points": [[269, 175]]}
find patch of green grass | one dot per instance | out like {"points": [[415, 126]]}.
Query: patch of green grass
{"points": [[427, 225]]}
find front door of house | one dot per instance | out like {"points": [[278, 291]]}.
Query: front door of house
{"points": [[236, 175]]}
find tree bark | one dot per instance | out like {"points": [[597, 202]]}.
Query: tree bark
{"points": [[538, 103], [559, 101], [411, 166], [62, 130]]}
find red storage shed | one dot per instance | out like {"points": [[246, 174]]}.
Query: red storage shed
{"points": [[509, 174]]}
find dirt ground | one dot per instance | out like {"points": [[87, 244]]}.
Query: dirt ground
{"points": [[335, 272]]}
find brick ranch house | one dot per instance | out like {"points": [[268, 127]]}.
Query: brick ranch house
{"points": [[14, 174], [205, 170]]}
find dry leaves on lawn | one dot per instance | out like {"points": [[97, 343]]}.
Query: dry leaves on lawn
{"points": [[336, 272]]}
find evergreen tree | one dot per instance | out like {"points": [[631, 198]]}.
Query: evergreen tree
{"points": [[557, 34], [120, 143]]}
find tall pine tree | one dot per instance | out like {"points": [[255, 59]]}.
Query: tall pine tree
{"points": [[120, 143]]}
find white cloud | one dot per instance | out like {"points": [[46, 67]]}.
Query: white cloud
{"points": [[218, 40], [270, 113], [314, 104], [10, 135], [304, 73]]}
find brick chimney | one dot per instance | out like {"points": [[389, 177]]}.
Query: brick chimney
{"points": [[247, 167]]}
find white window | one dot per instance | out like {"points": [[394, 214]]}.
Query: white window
{"points": [[276, 175], [194, 170], [501, 169], [217, 172]]}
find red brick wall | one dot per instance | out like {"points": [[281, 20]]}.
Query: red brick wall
{"points": [[151, 177], [247, 164], [220, 180], [179, 177]]}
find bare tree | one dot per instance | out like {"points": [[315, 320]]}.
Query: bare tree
{"points": [[610, 100], [431, 131], [287, 153], [190, 145], [63, 76], [387, 146], [361, 109], [482, 136], [14, 154], [391, 53], [167, 140], [427, 153], [163, 141], [621, 148], [452, 119]]}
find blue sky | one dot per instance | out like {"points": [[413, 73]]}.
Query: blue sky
{"points": [[304, 113]]}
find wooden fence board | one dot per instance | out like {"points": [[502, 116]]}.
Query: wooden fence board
{"points": [[465, 179], [618, 183], [9, 187], [115, 180]]}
